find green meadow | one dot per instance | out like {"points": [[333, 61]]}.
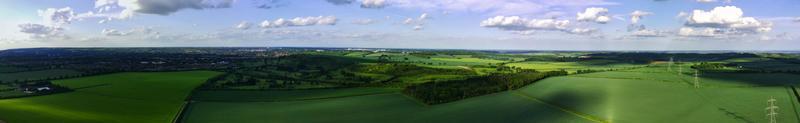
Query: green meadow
{"points": [[122, 97], [651, 94]]}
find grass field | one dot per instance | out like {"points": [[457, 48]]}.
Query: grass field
{"points": [[386, 108], [666, 97], [36, 75], [121, 97], [651, 95]]}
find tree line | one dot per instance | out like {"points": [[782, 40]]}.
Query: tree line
{"points": [[448, 91]]}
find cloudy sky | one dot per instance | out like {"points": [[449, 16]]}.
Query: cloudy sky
{"points": [[449, 24]]}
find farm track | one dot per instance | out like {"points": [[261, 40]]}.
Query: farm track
{"points": [[576, 113]]}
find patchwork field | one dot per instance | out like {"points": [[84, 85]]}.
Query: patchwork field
{"points": [[651, 94], [122, 97], [572, 66]]}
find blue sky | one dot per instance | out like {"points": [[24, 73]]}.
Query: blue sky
{"points": [[447, 24]]}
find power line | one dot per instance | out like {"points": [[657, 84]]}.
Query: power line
{"points": [[696, 79]]}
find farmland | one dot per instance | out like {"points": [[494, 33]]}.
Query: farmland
{"points": [[122, 97], [365, 86]]}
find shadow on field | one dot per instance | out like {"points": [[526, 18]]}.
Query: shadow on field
{"points": [[569, 103]]}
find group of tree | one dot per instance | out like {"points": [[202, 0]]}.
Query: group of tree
{"points": [[448, 91]]}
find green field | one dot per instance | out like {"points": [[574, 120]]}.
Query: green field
{"points": [[121, 97], [572, 66], [650, 94], [285, 95], [391, 108], [37, 75]]}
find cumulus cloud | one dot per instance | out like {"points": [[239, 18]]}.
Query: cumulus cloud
{"points": [[727, 18], [41, 31], [364, 21], [57, 16], [113, 32], [135, 31], [701, 32], [299, 21], [159, 7], [797, 19], [496, 7], [516, 23], [417, 22], [637, 15], [582, 31], [244, 25], [648, 33], [594, 14], [373, 3]]}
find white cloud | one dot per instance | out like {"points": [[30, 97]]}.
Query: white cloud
{"points": [[364, 21], [147, 31], [648, 33], [594, 14], [373, 3], [57, 16], [244, 25], [418, 27], [797, 19], [583, 31], [417, 22], [729, 19], [299, 21], [41, 31], [129, 8], [681, 15], [517, 23], [113, 32], [701, 32], [637, 15], [528, 26], [496, 7]]}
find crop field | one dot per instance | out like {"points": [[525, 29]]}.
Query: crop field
{"points": [[650, 94], [392, 108], [286, 95], [572, 66], [659, 97], [37, 75], [122, 97]]}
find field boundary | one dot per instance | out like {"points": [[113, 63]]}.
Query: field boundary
{"points": [[797, 100], [178, 118], [304, 99], [576, 113]]}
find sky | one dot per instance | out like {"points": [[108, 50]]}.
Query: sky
{"points": [[430, 24]]}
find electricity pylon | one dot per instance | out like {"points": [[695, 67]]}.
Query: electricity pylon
{"points": [[771, 109], [669, 65]]}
